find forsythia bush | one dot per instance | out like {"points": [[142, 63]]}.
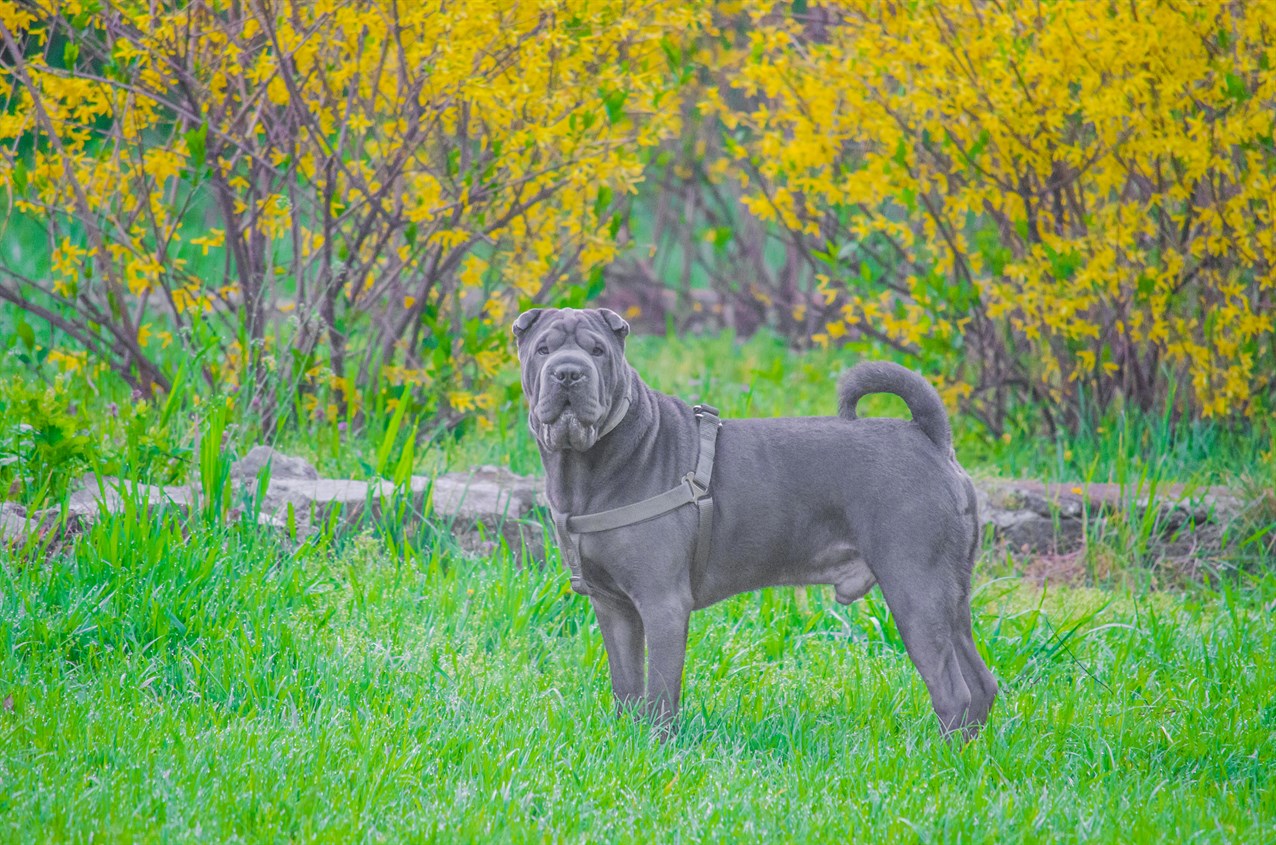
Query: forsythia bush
{"points": [[1064, 201], [1064, 205], [317, 193]]}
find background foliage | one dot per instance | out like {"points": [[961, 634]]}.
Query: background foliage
{"points": [[1067, 204], [1060, 211], [301, 194], [312, 222]]}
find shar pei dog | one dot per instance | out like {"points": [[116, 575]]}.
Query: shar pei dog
{"points": [[661, 508]]}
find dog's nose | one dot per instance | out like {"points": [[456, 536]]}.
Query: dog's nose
{"points": [[568, 373]]}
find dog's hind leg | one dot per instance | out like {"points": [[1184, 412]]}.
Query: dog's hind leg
{"points": [[925, 609], [982, 684], [980, 681]]}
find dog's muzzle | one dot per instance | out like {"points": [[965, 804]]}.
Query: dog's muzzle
{"points": [[569, 408]]}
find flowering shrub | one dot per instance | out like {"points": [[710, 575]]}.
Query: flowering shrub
{"points": [[1063, 201], [313, 193], [1058, 204]]}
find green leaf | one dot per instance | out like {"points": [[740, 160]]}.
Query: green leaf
{"points": [[595, 284], [673, 53], [391, 435], [603, 201], [26, 334], [721, 238], [197, 146], [1235, 87], [614, 103]]}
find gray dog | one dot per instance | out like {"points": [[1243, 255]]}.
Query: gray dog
{"points": [[661, 510]]}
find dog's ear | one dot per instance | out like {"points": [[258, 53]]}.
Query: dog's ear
{"points": [[525, 321], [615, 322]]}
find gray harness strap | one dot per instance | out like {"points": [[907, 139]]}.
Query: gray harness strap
{"points": [[694, 488]]}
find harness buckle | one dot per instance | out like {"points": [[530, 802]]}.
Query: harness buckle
{"points": [[704, 408], [698, 490]]}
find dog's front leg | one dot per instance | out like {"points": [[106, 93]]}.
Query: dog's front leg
{"points": [[665, 621], [623, 638]]}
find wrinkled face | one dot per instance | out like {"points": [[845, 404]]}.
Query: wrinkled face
{"points": [[574, 372]]}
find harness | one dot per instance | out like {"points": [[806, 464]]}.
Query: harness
{"points": [[693, 489]]}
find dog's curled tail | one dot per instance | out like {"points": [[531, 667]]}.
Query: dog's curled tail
{"points": [[884, 377]]}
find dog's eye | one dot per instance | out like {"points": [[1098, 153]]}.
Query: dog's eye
{"points": [[598, 352], [542, 350]]}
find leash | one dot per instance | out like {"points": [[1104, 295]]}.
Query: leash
{"points": [[694, 489]]}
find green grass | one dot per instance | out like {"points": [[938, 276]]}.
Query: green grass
{"points": [[172, 683], [199, 679], [763, 377], [57, 433]]}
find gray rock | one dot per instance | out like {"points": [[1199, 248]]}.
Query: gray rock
{"points": [[1030, 532], [13, 521], [313, 501], [486, 493], [480, 508], [1054, 518], [112, 493], [282, 467], [487, 504]]}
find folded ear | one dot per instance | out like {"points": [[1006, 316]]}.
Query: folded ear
{"points": [[615, 321], [525, 321]]}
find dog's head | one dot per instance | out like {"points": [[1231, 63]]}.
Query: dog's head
{"points": [[574, 374]]}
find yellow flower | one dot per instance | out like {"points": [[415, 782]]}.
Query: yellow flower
{"points": [[490, 362], [68, 362], [461, 400], [191, 298], [215, 237]]}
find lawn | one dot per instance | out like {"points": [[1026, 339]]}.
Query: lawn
{"points": [[205, 679], [222, 687]]}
